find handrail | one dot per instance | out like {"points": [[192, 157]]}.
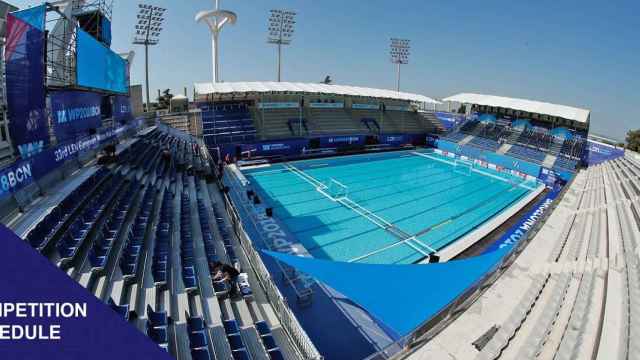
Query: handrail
{"points": [[287, 319]]}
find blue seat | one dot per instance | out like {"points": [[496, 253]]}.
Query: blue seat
{"points": [[231, 327], [263, 327], [122, 310], [159, 335], [269, 342], [200, 354], [198, 339], [195, 323], [235, 341], [220, 287], [240, 354], [157, 318], [275, 354]]}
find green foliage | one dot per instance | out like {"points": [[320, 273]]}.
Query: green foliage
{"points": [[633, 140]]}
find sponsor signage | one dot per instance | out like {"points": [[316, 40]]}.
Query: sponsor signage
{"points": [[24, 70], [122, 109], [365, 106], [17, 176], [327, 105], [278, 105], [333, 141], [74, 113], [397, 107], [518, 231]]}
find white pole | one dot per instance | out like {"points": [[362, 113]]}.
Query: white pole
{"points": [[398, 86], [214, 55]]}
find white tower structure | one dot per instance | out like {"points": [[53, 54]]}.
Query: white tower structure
{"points": [[216, 20]]}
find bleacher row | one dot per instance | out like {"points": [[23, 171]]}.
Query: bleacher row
{"points": [[573, 292], [525, 144], [286, 123], [137, 234]]}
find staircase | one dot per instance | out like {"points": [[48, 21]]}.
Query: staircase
{"points": [[431, 120]]}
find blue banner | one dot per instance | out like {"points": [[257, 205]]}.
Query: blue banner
{"points": [[98, 67], [20, 174], [74, 113], [122, 109], [598, 152], [337, 141], [394, 139], [519, 230], [24, 54], [35, 324]]}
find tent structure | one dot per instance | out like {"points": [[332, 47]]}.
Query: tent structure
{"points": [[401, 296], [290, 88], [535, 107]]}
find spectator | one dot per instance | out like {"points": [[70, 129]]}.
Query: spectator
{"points": [[227, 273]]}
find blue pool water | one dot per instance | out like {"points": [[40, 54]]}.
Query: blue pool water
{"points": [[364, 207]]}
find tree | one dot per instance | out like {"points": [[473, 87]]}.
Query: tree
{"points": [[165, 99], [633, 140]]}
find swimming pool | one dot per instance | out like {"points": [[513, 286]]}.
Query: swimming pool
{"points": [[383, 208]]}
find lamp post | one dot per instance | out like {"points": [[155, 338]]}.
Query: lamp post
{"points": [[148, 29], [399, 56], [281, 29], [216, 19]]}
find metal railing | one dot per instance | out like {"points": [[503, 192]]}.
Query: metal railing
{"points": [[279, 304]]}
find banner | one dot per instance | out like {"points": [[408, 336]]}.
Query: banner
{"points": [[365, 106], [278, 105], [327, 105], [98, 67], [74, 113], [520, 229], [122, 109], [337, 141], [20, 174], [24, 54]]}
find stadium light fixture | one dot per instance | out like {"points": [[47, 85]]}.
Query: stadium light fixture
{"points": [[281, 29], [148, 29], [399, 55], [216, 20]]}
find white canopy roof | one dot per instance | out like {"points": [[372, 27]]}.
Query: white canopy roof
{"points": [[306, 88], [536, 107]]}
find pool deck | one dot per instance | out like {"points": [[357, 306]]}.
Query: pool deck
{"points": [[329, 309], [465, 242]]}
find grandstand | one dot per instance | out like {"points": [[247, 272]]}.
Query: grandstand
{"points": [[272, 112], [573, 292], [139, 234]]}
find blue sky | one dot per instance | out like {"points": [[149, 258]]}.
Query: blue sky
{"points": [[579, 53]]}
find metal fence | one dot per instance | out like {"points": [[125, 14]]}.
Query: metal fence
{"points": [[287, 319]]}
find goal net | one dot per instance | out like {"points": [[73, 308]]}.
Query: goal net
{"points": [[336, 189], [463, 167]]}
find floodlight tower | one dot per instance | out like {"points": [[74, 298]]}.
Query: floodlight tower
{"points": [[281, 30], [399, 55], [150, 19], [216, 20]]}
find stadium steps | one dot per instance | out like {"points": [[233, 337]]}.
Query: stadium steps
{"points": [[466, 140], [549, 160], [431, 122], [504, 148], [597, 249]]}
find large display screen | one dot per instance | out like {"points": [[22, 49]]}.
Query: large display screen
{"points": [[98, 67]]}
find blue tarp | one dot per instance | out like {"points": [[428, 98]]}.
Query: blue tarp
{"points": [[401, 296]]}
